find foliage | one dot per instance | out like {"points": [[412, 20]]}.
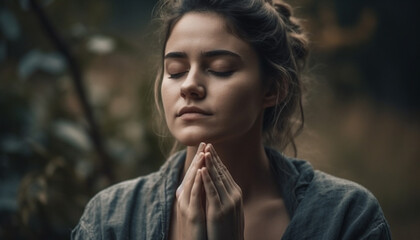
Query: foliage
{"points": [[49, 165]]}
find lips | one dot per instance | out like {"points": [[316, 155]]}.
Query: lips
{"points": [[192, 109]]}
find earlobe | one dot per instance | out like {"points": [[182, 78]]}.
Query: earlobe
{"points": [[275, 94], [270, 100]]}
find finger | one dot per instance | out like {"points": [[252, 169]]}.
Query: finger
{"points": [[195, 198], [232, 182], [187, 186], [216, 176], [212, 196], [191, 169], [200, 149], [207, 148], [229, 183]]}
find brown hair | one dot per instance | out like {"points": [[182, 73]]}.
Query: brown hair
{"points": [[278, 39]]}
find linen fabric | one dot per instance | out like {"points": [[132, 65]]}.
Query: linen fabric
{"points": [[320, 206]]}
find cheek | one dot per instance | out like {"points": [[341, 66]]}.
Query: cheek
{"points": [[168, 94], [242, 101], [246, 92]]}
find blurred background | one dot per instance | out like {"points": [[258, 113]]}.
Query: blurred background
{"points": [[362, 105]]}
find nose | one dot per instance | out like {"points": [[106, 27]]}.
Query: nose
{"points": [[193, 86]]}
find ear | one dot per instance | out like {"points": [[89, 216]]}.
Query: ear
{"points": [[270, 99], [275, 93]]}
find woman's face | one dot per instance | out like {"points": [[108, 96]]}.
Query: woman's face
{"points": [[211, 89]]}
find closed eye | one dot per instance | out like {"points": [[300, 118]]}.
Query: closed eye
{"points": [[177, 75], [221, 74]]}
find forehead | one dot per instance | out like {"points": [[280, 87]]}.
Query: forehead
{"points": [[205, 31]]}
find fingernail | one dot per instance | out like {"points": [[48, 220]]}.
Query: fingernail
{"points": [[207, 148]]}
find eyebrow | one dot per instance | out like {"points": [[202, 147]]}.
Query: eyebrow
{"points": [[176, 55], [209, 54], [216, 53]]}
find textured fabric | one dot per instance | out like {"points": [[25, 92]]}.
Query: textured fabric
{"points": [[320, 206]]}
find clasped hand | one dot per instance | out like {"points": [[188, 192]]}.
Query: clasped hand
{"points": [[209, 202]]}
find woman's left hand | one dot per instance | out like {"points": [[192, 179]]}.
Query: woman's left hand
{"points": [[224, 208]]}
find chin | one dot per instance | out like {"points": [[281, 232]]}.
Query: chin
{"points": [[193, 138], [191, 141]]}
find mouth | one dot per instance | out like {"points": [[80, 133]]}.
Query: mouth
{"points": [[191, 110]]}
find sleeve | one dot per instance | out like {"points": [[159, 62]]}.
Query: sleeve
{"points": [[362, 216], [109, 214], [90, 222], [341, 209], [80, 232], [381, 232]]}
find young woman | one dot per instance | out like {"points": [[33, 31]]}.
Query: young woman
{"points": [[229, 86]]}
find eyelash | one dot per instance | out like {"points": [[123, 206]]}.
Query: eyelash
{"points": [[221, 74], [176, 75], [217, 74]]}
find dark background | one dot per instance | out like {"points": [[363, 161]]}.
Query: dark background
{"points": [[362, 106]]}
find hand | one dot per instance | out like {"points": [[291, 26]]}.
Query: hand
{"points": [[190, 212], [224, 208]]}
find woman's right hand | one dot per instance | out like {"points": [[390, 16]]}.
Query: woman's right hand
{"points": [[190, 212]]}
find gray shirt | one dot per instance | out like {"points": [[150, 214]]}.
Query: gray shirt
{"points": [[320, 206]]}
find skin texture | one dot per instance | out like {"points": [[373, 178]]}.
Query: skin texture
{"points": [[190, 212], [217, 73], [197, 83]]}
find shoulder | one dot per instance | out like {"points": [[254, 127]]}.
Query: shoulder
{"points": [[339, 189], [115, 209], [342, 194], [342, 208], [124, 191], [112, 205], [325, 206], [325, 189]]}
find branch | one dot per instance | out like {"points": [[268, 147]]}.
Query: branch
{"points": [[104, 162]]}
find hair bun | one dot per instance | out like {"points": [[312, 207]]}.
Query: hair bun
{"points": [[286, 13], [283, 8], [298, 40]]}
